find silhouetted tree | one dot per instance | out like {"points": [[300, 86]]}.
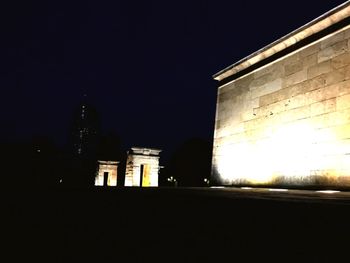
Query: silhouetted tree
{"points": [[109, 147], [31, 163], [190, 165], [16, 162], [44, 161]]}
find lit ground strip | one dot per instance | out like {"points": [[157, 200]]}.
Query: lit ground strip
{"points": [[246, 188], [217, 187], [277, 190], [328, 191]]}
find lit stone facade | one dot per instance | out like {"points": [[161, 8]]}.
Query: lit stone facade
{"points": [[107, 173], [283, 113], [142, 167]]}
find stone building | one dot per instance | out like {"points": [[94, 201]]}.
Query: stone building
{"points": [[142, 167], [107, 173], [283, 112]]}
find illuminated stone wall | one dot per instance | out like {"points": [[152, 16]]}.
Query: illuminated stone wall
{"points": [[288, 122], [109, 169], [142, 162]]}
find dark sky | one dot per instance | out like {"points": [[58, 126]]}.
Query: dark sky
{"points": [[145, 65]]}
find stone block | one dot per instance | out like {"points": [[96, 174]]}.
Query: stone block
{"points": [[344, 87], [225, 96], [264, 111], [325, 54], [316, 96], [290, 59], [282, 94], [267, 99], [267, 88], [331, 91], [226, 88], [341, 60], [333, 77], [319, 69], [341, 47], [333, 39], [332, 51], [264, 71], [317, 82], [330, 105], [343, 102], [295, 78], [297, 89], [251, 103], [248, 115], [293, 67], [244, 82], [278, 107], [310, 60], [275, 97], [347, 33], [260, 81], [296, 114], [295, 102], [317, 108], [275, 71], [346, 71], [312, 49]]}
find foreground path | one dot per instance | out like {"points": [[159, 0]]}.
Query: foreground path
{"points": [[177, 225]]}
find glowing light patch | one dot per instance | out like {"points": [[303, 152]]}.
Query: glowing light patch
{"points": [[217, 187], [328, 191], [295, 152], [246, 188]]}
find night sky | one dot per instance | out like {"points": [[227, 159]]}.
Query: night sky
{"points": [[146, 66]]}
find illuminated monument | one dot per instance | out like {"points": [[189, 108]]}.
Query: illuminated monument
{"points": [[107, 173], [142, 167], [283, 112]]}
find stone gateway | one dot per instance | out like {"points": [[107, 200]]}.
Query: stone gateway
{"points": [[107, 173], [142, 167]]}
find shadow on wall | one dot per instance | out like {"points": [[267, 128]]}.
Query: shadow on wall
{"points": [[215, 176]]}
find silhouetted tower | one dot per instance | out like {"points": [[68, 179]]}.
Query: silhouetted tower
{"points": [[83, 145], [85, 130]]}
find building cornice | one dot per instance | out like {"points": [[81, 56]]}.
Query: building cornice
{"points": [[317, 25]]}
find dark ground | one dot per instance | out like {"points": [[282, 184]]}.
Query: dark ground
{"points": [[177, 225]]}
